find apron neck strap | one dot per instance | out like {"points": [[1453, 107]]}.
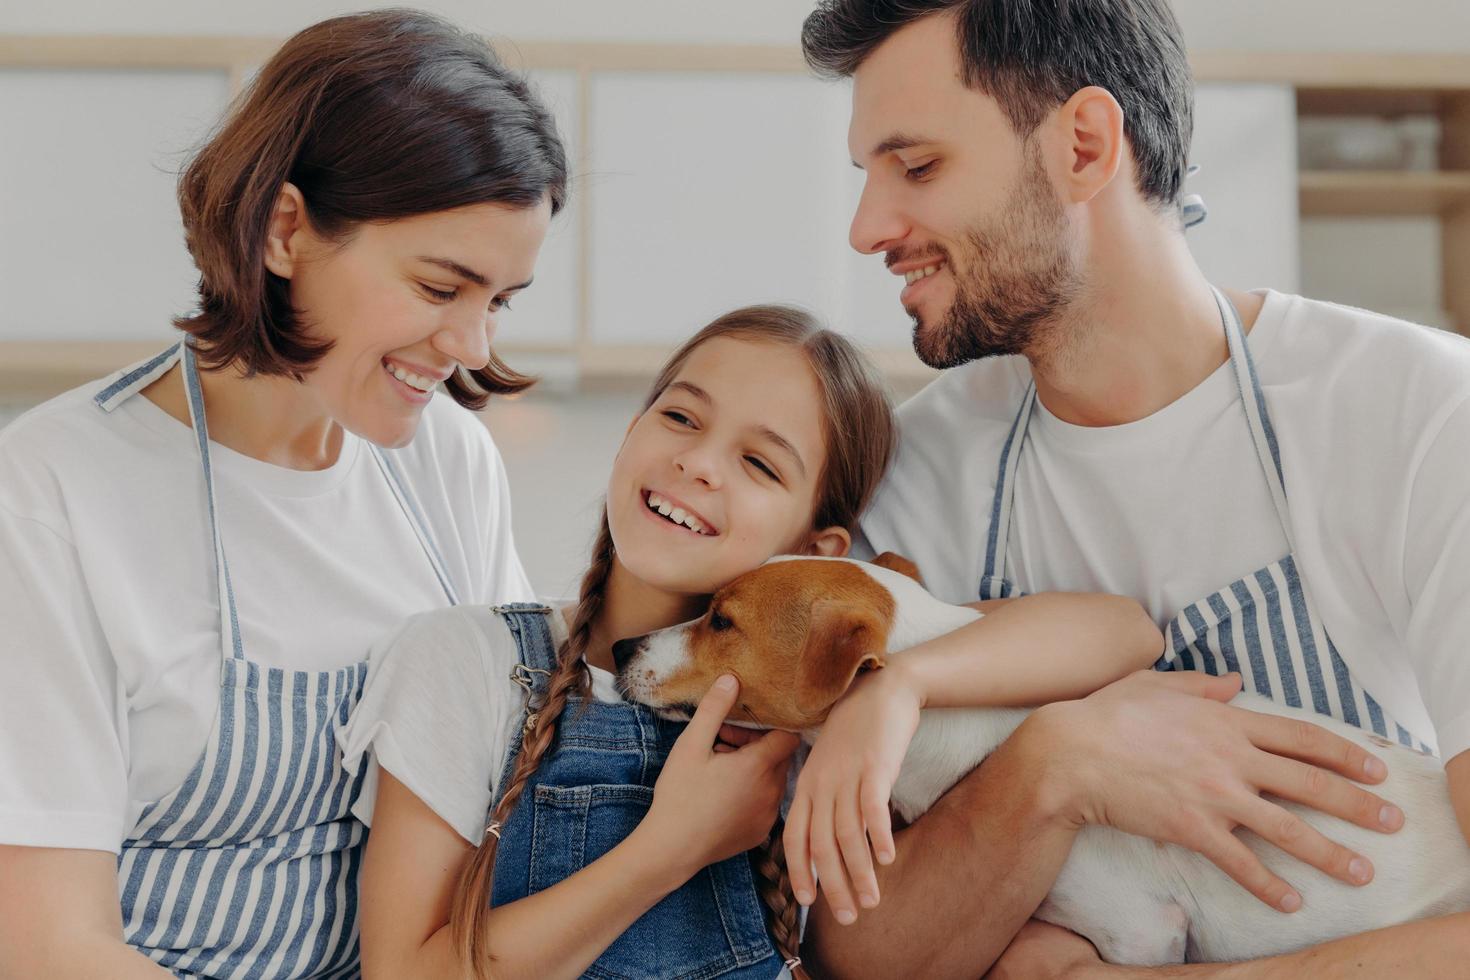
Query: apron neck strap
{"points": [[1252, 399], [232, 646]]}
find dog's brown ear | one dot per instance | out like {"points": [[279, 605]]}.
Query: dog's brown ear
{"points": [[844, 637], [893, 561]]}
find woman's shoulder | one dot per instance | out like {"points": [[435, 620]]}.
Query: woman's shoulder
{"points": [[65, 442]]}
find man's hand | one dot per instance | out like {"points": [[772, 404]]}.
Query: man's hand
{"points": [[1042, 951], [1159, 756]]}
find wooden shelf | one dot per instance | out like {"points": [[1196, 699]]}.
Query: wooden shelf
{"points": [[32, 370], [1384, 193]]}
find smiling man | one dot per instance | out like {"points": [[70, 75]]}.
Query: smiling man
{"points": [[1280, 481]]}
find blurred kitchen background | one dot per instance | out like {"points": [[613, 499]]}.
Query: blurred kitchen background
{"points": [[1333, 138]]}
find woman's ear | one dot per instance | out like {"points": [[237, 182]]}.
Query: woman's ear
{"points": [[285, 236], [832, 542]]}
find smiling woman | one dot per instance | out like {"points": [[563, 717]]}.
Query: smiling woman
{"points": [[173, 799]]}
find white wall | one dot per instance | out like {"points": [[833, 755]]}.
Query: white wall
{"points": [[1283, 25], [558, 449]]}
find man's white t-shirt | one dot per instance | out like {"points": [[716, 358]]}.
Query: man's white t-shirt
{"points": [[1372, 417], [110, 658]]}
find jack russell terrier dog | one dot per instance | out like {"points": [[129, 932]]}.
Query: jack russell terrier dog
{"points": [[796, 631]]}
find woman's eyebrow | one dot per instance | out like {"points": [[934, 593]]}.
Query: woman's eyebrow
{"points": [[764, 431], [464, 271]]}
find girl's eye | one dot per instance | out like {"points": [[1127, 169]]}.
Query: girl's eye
{"points": [[499, 303], [758, 464], [919, 172], [678, 418], [441, 295], [719, 623]]}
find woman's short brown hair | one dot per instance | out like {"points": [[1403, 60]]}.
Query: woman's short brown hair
{"points": [[373, 116]]}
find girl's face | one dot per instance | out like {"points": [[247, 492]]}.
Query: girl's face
{"points": [[733, 451], [407, 302]]}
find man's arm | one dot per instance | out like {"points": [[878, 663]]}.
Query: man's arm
{"points": [[1431, 948], [973, 869], [1437, 947], [960, 887]]}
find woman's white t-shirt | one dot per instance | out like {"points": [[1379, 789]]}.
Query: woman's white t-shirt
{"points": [[110, 657], [1372, 420], [440, 711]]}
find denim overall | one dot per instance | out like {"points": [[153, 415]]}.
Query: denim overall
{"points": [[593, 787], [249, 867], [1264, 626]]}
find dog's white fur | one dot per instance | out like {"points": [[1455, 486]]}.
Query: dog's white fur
{"points": [[1150, 904]]}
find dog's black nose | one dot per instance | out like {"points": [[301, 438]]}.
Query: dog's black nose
{"points": [[624, 650]]}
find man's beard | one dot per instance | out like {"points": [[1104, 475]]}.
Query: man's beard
{"points": [[1019, 279]]}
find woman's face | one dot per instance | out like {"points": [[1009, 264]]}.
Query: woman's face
{"points": [[735, 448], [407, 302]]}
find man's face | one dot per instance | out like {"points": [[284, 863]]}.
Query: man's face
{"points": [[960, 205]]}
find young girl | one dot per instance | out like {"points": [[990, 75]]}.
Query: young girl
{"points": [[572, 832]]}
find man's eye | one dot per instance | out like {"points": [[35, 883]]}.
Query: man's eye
{"points": [[442, 295], [719, 623], [919, 172]]}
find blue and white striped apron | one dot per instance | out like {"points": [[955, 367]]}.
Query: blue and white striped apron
{"points": [[249, 868], [1263, 626]]}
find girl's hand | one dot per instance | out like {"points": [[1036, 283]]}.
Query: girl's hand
{"points": [[709, 806], [841, 801]]}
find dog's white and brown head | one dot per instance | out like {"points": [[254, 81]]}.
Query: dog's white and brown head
{"points": [[795, 632]]}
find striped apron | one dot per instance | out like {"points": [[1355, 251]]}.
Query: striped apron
{"points": [[1264, 626], [249, 868]]}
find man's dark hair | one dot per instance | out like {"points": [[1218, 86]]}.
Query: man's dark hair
{"points": [[1033, 55]]}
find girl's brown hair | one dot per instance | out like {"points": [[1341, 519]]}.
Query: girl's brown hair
{"points": [[373, 117], [860, 437]]}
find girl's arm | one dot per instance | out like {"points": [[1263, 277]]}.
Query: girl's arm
{"points": [[706, 807], [1052, 646]]}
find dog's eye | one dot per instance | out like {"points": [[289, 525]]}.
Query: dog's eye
{"points": [[719, 623]]}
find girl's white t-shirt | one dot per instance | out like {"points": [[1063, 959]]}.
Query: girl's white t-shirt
{"points": [[110, 657], [1372, 421], [440, 712]]}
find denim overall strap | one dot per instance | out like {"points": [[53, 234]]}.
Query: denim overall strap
{"points": [[535, 662], [592, 789]]}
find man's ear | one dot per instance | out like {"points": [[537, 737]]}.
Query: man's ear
{"points": [[843, 638], [1094, 143], [898, 563], [832, 542], [286, 234]]}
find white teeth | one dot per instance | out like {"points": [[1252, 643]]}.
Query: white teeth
{"points": [[417, 381], [916, 274], [675, 514]]}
